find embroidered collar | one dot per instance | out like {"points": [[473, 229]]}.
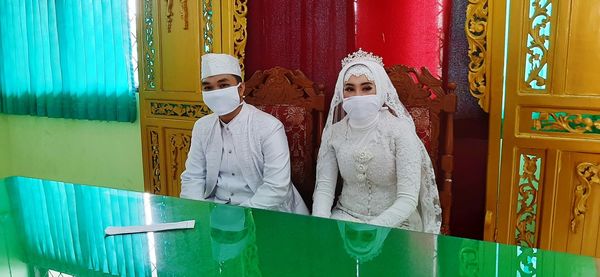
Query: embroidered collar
{"points": [[235, 123]]}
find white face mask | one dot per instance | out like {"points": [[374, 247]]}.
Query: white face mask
{"points": [[222, 101], [361, 109]]}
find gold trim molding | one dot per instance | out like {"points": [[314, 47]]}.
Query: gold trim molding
{"points": [[476, 30], [185, 110], [240, 34], [588, 175]]}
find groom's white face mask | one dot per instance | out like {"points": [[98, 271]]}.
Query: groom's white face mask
{"points": [[221, 93]]}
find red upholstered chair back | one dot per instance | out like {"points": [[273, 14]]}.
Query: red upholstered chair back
{"points": [[300, 105], [432, 106]]}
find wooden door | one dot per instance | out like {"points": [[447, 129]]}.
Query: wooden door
{"points": [[544, 161]]}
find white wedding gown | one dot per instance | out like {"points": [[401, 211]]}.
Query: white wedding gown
{"points": [[380, 165]]}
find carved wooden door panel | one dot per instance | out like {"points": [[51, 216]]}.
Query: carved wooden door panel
{"points": [[545, 194], [172, 35], [578, 213]]}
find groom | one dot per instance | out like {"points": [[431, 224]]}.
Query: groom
{"points": [[239, 154]]}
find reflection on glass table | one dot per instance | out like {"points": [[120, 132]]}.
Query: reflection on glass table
{"points": [[362, 242], [233, 240], [52, 228]]}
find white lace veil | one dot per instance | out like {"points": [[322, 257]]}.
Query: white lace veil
{"points": [[429, 202]]}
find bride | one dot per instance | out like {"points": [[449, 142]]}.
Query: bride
{"points": [[388, 179]]}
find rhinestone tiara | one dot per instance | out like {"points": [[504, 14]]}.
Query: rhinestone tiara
{"points": [[361, 55]]}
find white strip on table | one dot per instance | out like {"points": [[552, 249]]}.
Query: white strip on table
{"points": [[158, 227]]}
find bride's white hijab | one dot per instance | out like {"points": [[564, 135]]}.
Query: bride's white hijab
{"points": [[429, 203]]}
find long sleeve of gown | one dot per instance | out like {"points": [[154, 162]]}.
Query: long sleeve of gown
{"points": [[277, 175], [193, 179], [408, 172], [327, 173]]}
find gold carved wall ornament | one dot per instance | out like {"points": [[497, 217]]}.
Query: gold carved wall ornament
{"points": [[588, 175], [208, 26], [476, 30], [179, 147], [155, 162], [169, 15], [183, 14], [185, 110], [538, 44], [565, 122], [149, 50], [527, 204], [239, 31]]}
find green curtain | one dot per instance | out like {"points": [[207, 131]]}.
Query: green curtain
{"points": [[63, 225], [67, 59]]}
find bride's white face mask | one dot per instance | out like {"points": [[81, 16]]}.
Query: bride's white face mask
{"points": [[361, 109], [361, 102]]}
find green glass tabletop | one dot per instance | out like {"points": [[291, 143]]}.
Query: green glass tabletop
{"points": [[55, 229]]}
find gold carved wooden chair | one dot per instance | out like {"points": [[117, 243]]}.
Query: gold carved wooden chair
{"points": [[432, 106], [300, 105]]}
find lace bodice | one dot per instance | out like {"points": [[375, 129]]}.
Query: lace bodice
{"points": [[381, 170]]}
